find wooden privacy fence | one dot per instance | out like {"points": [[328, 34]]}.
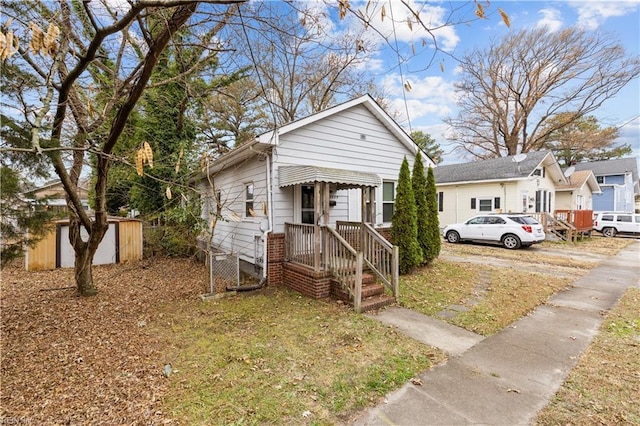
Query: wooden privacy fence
{"points": [[122, 242]]}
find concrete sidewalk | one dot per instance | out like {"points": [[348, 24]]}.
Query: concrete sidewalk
{"points": [[507, 378]]}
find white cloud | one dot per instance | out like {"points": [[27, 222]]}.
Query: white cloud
{"points": [[591, 14], [430, 99], [398, 29], [551, 18]]}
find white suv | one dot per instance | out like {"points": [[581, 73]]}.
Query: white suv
{"points": [[511, 230], [612, 223]]}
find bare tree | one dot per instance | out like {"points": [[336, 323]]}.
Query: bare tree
{"points": [[510, 92], [83, 72], [301, 65]]}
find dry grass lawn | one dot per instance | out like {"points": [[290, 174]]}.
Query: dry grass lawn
{"points": [[604, 388]]}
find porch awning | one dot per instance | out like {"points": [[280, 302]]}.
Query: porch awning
{"points": [[344, 179]]}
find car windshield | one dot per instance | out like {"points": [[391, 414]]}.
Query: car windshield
{"points": [[525, 220]]}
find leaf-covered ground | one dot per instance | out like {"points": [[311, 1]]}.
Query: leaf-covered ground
{"points": [[70, 360], [263, 357]]}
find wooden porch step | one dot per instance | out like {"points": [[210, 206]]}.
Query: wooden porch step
{"points": [[368, 290], [376, 302]]}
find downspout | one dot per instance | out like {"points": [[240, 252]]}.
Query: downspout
{"points": [[265, 246]]}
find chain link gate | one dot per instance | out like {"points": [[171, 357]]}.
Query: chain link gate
{"points": [[224, 271]]}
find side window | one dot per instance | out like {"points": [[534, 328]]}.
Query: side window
{"points": [[496, 221], [248, 200], [624, 218], [477, 221], [388, 199], [607, 217], [637, 219], [440, 201]]}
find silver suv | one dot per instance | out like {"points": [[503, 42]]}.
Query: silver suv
{"points": [[512, 230], [612, 223]]}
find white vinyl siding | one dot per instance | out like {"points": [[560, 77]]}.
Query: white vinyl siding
{"points": [[336, 142], [236, 231]]}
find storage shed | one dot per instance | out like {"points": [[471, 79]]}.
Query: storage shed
{"points": [[121, 243]]}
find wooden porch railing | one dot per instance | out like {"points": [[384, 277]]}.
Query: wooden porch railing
{"points": [[345, 263], [379, 255], [567, 225], [582, 220], [300, 244]]}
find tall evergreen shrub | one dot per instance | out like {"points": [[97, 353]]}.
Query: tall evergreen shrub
{"points": [[419, 184], [433, 224], [404, 223]]}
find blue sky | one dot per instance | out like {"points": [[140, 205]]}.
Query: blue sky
{"points": [[432, 96]]}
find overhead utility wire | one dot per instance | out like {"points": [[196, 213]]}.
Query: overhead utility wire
{"points": [[395, 38]]}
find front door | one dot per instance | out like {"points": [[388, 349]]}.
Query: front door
{"points": [[306, 206]]}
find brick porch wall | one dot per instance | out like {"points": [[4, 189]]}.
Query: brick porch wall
{"points": [[386, 233], [304, 280], [275, 259]]}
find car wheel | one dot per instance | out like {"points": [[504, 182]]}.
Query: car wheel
{"points": [[609, 232], [511, 241], [453, 237]]}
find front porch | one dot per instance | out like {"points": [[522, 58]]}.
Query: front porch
{"points": [[351, 261], [567, 225]]}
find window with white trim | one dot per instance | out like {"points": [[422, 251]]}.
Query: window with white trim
{"points": [[485, 204], [388, 200], [248, 199]]}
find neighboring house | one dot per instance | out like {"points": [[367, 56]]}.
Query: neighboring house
{"points": [[618, 179], [522, 183], [578, 192], [54, 193], [282, 196]]}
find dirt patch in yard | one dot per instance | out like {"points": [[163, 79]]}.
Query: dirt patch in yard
{"points": [[70, 360]]}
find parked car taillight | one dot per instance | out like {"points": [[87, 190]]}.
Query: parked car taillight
{"points": [[527, 228]]}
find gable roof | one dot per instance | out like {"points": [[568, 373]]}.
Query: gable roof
{"points": [[367, 101], [268, 140], [616, 166], [498, 169], [578, 179]]}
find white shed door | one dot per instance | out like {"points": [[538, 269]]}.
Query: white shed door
{"points": [[106, 250]]}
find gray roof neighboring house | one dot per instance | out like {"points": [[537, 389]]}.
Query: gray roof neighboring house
{"points": [[617, 166], [497, 169]]}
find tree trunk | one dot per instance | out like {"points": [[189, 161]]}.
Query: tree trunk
{"points": [[83, 273], [85, 251]]}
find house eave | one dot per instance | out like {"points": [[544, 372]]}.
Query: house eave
{"points": [[232, 158], [481, 181]]}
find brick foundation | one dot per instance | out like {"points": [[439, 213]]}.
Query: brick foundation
{"points": [[305, 280], [275, 259]]}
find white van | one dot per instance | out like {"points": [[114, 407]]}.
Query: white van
{"points": [[612, 223]]}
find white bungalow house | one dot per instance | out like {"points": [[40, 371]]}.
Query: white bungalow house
{"points": [[306, 200], [523, 183]]}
